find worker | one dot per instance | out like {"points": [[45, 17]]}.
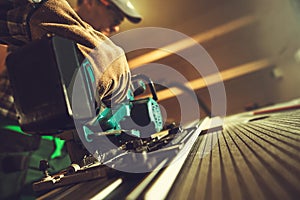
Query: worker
{"points": [[22, 21]]}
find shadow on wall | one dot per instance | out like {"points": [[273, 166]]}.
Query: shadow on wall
{"points": [[296, 6]]}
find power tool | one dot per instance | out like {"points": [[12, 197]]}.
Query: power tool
{"points": [[42, 83], [42, 77]]}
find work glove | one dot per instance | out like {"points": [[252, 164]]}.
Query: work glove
{"points": [[109, 63]]}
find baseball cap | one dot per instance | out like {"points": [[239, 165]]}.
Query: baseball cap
{"points": [[128, 9]]}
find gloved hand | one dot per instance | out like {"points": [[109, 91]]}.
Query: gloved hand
{"points": [[109, 62]]}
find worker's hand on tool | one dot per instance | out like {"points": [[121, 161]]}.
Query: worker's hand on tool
{"points": [[109, 62]]}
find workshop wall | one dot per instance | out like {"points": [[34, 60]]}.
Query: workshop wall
{"points": [[261, 30]]}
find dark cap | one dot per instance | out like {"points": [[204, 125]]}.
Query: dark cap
{"points": [[128, 9]]}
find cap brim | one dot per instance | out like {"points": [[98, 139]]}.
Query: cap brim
{"points": [[128, 9]]}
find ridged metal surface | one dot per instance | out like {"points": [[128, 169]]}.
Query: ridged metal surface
{"points": [[254, 157]]}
